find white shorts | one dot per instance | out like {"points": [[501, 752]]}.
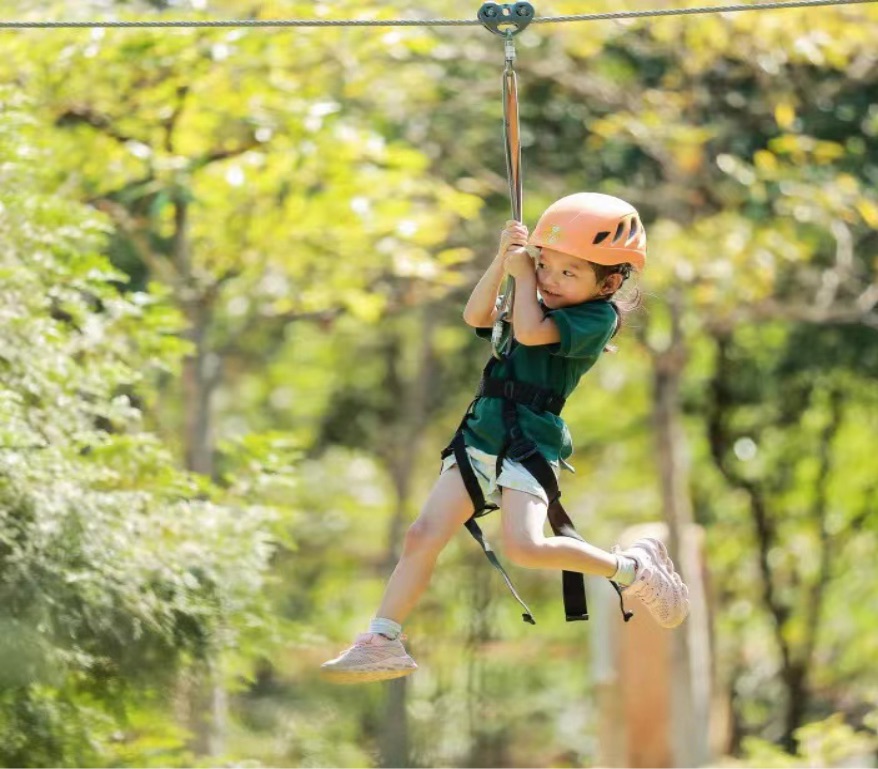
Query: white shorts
{"points": [[513, 475]]}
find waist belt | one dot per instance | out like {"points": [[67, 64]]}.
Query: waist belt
{"points": [[537, 398]]}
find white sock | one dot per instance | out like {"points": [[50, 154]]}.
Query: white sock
{"points": [[386, 627], [625, 570]]}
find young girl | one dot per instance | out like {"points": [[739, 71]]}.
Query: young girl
{"points": [[583, 248]]}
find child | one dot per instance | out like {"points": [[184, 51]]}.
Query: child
{"points": [[584, 247]]}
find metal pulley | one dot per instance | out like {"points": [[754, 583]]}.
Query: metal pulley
{"points": [[499, 18]]}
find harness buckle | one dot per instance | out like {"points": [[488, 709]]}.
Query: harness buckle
{"points": [[509, 389]]}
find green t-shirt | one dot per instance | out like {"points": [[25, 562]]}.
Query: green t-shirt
{"points": [[585, 330]]}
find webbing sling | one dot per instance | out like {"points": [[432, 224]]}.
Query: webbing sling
{"points": [[524, 451]]}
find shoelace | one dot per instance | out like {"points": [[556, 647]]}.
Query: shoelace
{"points": [[627, 615]]}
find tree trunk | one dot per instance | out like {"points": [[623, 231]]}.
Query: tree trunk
{"points": [[796, 657], [201, 374], [488, 746], [405, 437], [654, 685], [691, 666]]}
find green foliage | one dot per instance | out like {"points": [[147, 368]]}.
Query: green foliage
{"points": [[830, 742], [116, 568]]}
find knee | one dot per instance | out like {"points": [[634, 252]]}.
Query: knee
{"points": [[523, 551], [422, 537]]}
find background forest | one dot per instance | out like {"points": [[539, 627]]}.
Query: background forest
{"points": [[233, 268]]}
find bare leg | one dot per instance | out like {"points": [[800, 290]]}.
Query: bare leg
{"points": [[523, 520], [447, 508]]}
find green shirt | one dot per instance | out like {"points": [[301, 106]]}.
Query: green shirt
{"points": [[585, 330]]}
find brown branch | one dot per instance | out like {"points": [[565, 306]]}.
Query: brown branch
{"points": [[121, 216], [818, 512], [719, 442], [861, 311], [88, 116], [223, 154], [104, 124], [323, 317], [171, 123]]}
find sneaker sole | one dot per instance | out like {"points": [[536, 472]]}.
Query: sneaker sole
{"points": [[363, 676]]}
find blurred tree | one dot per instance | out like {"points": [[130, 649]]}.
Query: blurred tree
{"points": [[118, 570]]}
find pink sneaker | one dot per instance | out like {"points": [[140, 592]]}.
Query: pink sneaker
{"points": [[657, 584], [373, 657]]}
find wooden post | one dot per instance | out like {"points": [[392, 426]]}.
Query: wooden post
{"points": [[645, 719]]}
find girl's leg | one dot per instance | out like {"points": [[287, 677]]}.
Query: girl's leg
{"points": [[523, 520], [447, 508], [652, 576]]}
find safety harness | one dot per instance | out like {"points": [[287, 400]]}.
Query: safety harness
{"points": [[518, 447]]}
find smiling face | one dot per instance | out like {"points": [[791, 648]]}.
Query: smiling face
{"points": [[564, 280]]}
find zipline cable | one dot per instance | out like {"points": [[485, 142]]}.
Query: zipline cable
{"points": [[182, 23]]}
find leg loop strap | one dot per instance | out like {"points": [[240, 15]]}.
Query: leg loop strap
{"points": [[480, 507]]}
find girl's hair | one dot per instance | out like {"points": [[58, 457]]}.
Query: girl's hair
{"points": [[622, 306]]}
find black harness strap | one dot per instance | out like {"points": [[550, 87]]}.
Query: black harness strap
{"points": [[572, 582], [519, 448], [539, 399], [480, 506], [458, 447]]}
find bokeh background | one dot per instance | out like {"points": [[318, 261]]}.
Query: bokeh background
{"points": [[233, 268]]}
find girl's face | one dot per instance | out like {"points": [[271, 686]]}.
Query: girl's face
{"points": [[564, 280]]}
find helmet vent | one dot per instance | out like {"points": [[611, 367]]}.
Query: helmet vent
{"points": [[601, 237], [635, 226], [619, 230]]}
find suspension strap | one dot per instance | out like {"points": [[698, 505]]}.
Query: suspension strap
{"points": [[508, 20]]}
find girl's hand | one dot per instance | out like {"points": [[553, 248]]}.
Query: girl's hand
{"points": [[514, 234], [517, 262]]}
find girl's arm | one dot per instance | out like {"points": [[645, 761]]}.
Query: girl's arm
{"points": [[530, 325], [481, 309]]}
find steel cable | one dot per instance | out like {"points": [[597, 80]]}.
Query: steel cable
{"points": [[206, 23]]}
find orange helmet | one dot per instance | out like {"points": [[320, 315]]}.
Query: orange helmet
{"points": [[595, 227]]}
